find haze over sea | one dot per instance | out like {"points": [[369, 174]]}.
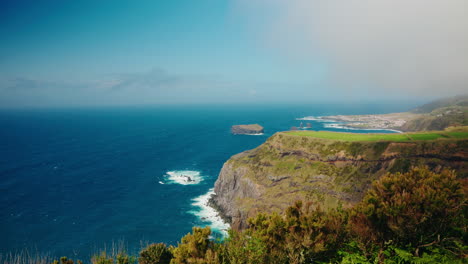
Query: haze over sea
{"points": [[73, 180]]}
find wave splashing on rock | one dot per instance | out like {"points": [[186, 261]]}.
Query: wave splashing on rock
{"points": [[184, 177], [208, 214]]}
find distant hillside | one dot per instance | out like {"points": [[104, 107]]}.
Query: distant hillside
{"points": [[436, 115], [439, 114], [458, 101], [327, 167]]}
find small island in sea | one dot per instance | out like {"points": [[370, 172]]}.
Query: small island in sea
{"points": [[253, 129]]}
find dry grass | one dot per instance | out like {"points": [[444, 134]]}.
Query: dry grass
{"points": [[25, 257]]}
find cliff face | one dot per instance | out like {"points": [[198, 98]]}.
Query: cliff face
{"points": [[287, 168]]}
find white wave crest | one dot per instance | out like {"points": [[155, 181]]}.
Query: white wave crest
{"points": [[184, 177], [209, 215], [340, 126], [315, 118]]}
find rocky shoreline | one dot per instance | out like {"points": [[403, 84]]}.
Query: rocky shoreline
{"points": [[212, 203], [437, 115], [394, 121]]}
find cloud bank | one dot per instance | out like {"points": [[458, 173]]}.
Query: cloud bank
{"points": [[145, 88], [152, 87], [410, 47]]}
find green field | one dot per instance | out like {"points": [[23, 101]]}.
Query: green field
{"points": [[457, 134], [379, 137]]}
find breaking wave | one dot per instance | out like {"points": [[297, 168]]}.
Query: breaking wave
{"points": [[208, 214], [184, 177]]}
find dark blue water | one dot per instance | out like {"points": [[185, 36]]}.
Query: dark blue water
{"points": [[74, 180]]}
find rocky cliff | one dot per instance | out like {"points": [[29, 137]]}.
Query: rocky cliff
{"points": [[328, 172]]}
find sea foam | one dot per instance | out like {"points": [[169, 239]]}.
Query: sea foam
{"points": [[208, 214], [315, 118], [184, 177], [341, 126]]}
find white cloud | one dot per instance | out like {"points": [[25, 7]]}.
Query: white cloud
{"points": [[415, 47]]}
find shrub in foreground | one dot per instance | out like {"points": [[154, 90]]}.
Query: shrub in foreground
{"points": [[196, 247], [419, 208], [155, 254]]}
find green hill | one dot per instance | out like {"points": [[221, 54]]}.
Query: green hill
{"points": [[327, 167], [458, 101], [437, 115]]}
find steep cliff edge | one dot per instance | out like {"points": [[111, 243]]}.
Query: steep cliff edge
{"points": [[328, 172]]}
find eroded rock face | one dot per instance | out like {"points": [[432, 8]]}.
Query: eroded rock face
{"points": [[287, 168], [233, 186], [247, 129]]}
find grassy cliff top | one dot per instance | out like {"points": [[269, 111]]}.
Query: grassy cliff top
{"points": [[329, 168], [398, 137]]}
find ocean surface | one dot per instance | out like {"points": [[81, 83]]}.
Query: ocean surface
{"points": [[72, 181]]}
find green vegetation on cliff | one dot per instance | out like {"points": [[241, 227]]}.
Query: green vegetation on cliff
{"points": [[381, 137], [414, 217], [438, 115], [350, 136], [324, 167]]}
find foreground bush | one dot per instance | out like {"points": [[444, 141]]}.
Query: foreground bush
{"points": [[416, 209], [155, 254], [196, 248], [416, 217], [303, 234]]}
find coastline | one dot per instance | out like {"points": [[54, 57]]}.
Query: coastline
{"points": [[338, 122], [349, 127], [386, 122], [212, 203], [211, 214], [333, 122]]}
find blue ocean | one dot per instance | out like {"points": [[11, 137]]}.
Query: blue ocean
{"points": [[74, 180]]}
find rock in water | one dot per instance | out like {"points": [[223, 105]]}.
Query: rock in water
{"points": [[247, 129]]}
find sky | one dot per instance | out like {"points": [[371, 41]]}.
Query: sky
{"points": [[114, 52]]}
